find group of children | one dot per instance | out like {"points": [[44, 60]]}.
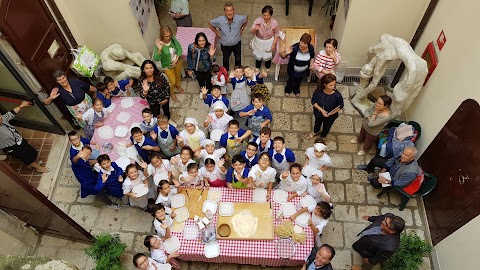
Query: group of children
{"points": [[227, 156]]}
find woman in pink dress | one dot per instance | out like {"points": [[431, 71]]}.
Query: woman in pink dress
{"points": [[265, 36]]}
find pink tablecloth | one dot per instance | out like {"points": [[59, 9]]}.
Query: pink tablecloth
{"points": [[111, 120], [186, 35], [245, 251]]}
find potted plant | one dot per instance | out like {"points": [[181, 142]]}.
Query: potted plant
{"points": [[329, 7], [409, 255], [106, 251]]}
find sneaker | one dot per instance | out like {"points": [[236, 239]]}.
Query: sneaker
{"points": [[361, 153], [362, 167], [353, 141], [114, 205]]}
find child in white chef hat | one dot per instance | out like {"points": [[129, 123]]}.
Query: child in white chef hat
{"points": [[218, 119], [316, 159], [191, 136], [316, 188]]}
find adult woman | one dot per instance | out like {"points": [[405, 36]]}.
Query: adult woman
{"points": [[155, 88], [378, 116], [301, 60], [73, 93], [265, 31], [200, 57], [12, 143], [168, 51], [326, 102], [328, 59]]}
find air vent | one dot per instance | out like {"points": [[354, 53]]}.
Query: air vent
{"points": [[347, 80]]}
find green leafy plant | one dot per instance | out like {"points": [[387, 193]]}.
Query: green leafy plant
{"points": [[329, 7], [106, 251], [409, 255]]}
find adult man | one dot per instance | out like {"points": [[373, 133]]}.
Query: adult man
{"points": [[180, 12], [320, 258], [230, 29], [403, 170], [379, 241]]}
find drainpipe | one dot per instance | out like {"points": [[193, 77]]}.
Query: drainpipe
{"points": [[416, 38]]}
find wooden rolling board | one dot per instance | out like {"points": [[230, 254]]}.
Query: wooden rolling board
{"points": [[293, 35], [265, 221], [194, 205]]}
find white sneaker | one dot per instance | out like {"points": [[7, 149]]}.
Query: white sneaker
{"points": [[361, 153], [353, 141]]}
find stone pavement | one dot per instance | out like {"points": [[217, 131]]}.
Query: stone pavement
{"points": [[351, 194]]}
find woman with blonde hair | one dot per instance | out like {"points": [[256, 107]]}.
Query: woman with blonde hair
{"points": [[168, 52]]}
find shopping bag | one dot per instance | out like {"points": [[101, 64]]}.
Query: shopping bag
{"points": [[86, 61]]}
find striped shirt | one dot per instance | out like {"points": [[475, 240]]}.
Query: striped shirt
{"points": [[323, 61], [9, 136], [230, 33]]}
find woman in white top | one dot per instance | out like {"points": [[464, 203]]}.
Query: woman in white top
{"points": [[316, 159], [262, 174], [327, 60], [134, 179]]}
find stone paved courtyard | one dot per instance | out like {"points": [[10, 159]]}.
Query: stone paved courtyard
{"points": [[351, 194]]}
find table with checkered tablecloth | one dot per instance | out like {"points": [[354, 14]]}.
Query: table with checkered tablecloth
{"points": [[255, 252]]}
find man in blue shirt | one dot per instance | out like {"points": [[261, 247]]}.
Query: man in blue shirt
{"points": [[230, 29]]}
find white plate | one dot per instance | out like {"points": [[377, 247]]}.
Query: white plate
{"points": [[105, 132], [121, 131], [172, 244], [131, 152], [216, 134], [136, 124], [212, 250], [226, 209], [288, 209], [302, 219], [308, 201], [190, 232], [164, 266], [127, 103], [123, 162], [123, 117], [112, 107], [259, 195], [214, 195], [182, 214], [178, 201], [280, 196], [209, 205], [140, 190]]}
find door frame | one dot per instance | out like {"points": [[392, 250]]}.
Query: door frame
{"points": [[54, 128]]}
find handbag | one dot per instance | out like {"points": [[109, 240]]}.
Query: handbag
{"points": [[85, 61]]}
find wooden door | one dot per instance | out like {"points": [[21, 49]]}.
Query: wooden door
{"points": [[32, 31], [453, 157]]}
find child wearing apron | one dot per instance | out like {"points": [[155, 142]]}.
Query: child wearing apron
{"points": [[191, 136], [166, 137]]}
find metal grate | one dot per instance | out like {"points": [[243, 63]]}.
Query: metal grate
{"points": [[356, 79]]}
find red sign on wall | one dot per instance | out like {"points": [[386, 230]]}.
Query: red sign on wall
{"points": [[441, 40]]}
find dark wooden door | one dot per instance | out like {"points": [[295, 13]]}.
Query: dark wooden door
{"points": [[31, 30], [454, 158]]}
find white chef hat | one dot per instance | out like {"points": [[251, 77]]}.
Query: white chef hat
{"points": [[208, 141], [320, 147], [191, 120], [318, 172], [219, 105]]}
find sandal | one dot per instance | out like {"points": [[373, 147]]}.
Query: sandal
{"points": [[287, 94], [46, 170], [297, 95]]}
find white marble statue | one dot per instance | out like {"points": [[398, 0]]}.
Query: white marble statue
{"points": [[384, 50], [120, 64]]}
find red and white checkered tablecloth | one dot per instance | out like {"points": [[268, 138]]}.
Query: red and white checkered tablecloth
{"points": [[111, 120], [245, 251], [186, 35]]}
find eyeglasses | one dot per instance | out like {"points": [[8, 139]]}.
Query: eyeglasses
{"points": [[167, 36]]}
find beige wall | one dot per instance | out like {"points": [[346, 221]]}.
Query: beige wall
{"points": [[98, 24], [453, 81], [369, 19]]}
